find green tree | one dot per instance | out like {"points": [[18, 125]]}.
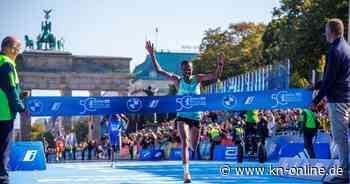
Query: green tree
{"points": [[172, 90], [299, 82], [81, 131], [295, 32], [38, 128], [50, 138], [241, 44]]}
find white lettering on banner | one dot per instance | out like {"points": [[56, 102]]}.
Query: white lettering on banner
{"points": [[178, 152], [153, 104], [158, 154], [49, 106], [283, 98], [187, 102], [56, 106], [305, 172], [145, 155], [231, 152], [92, 104], [249, 100], [30, 155], [114, 127]]}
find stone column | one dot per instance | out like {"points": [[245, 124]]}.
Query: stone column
{"points": [[25, 121], [95, 119], [67, 120]]}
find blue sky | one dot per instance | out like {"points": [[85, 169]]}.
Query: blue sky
{"points": [[119, 28]]}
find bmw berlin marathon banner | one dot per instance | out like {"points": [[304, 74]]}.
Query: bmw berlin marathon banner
{"points": [[69, 106]]}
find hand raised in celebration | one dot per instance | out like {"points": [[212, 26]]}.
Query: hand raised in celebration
{"points": [[149, 47]]}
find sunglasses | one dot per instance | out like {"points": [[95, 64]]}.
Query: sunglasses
{"points": [[17, 49]]}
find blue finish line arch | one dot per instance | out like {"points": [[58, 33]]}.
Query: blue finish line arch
{"points": [[70, 106]]}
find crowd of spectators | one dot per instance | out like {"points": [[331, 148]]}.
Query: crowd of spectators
{"points": [[216, 128]]}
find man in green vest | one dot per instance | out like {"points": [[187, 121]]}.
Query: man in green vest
{"points": [[309, 129], [10, 102], [214, 135], [251, 121], [237, 133]]}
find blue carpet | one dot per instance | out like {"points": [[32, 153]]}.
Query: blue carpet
{"points": [[139, 172]]}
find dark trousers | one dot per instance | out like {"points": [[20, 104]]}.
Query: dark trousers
{"points": [[74, 153], [131, 152], [212, 148], [198, 152], [6, 128], [89, 154], [47, 155], [250, 131], [64, 154], [309, 135], [83, 154]]}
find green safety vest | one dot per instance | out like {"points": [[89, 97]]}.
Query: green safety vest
{"points": [[5, 110], [239, 130], [252, 117], [310, 119], [214, 133]]}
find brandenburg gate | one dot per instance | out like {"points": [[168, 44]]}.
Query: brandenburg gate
{"points": [[49, 67]]}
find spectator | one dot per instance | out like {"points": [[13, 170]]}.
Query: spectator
{"points": [[309, 130], [271, 123], [251, 119], [59, 148], [71, 142], [46, 148], [83, 147], [336, 87], [214, 137], [10, 100], [262, 129], [90, 147]]}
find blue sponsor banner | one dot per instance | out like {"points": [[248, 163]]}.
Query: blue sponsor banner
{"points": [[27, 156], [149, 154], [204, 149], [158, 154], [275, 143], [273, 150], [311, 169], [225, 152], [176, 154], [67, 106], [323, 138], [146, 154], [291, 150]]}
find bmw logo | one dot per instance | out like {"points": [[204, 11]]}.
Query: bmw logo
{"points": [[229, 101], [35, 106], [134, 104]]}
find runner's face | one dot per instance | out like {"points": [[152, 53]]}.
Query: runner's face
{"points": [[187, 69]]}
